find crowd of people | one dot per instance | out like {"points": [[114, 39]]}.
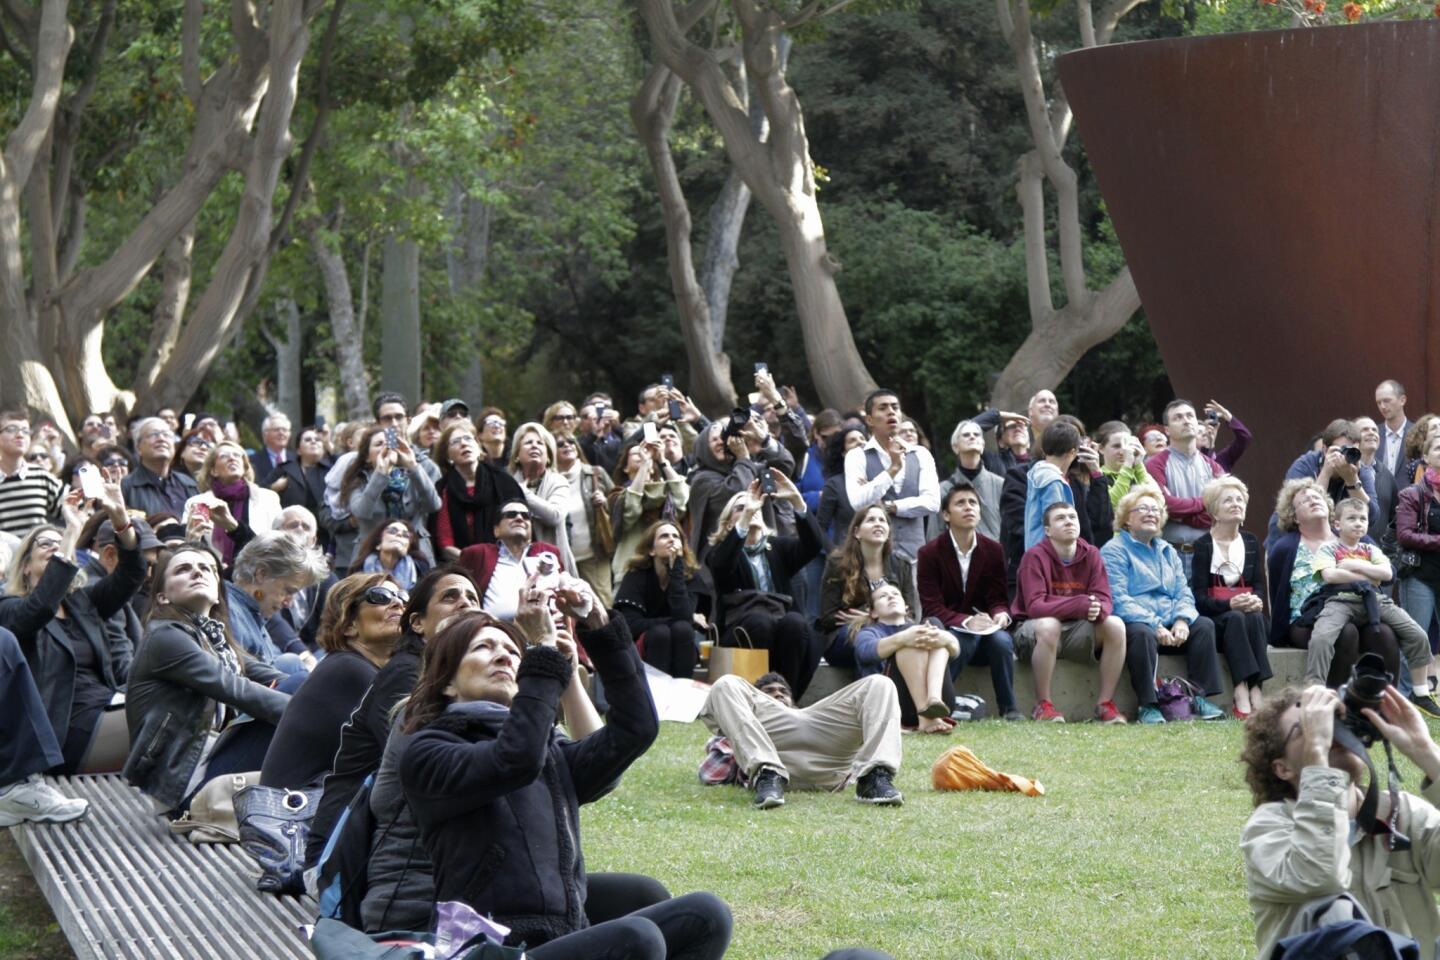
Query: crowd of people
{"points": [[413, 605]]}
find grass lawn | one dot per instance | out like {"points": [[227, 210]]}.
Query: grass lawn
{"points": [[1131, 853]]}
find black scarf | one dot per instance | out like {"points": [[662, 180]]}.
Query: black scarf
{"points": [[213, 633], [473, 515]]}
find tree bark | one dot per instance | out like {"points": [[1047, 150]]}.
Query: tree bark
{"points": [[400, 317], [175, 277], [651, 111], [1058, 338], [779, 173], [288, 345], [349, 342]]}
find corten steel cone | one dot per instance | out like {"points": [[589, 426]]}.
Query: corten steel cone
{"points": [[1275, 195]]}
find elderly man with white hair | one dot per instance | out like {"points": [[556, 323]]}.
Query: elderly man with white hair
{"points": [[300, 621], [1011, 443], [275, 432], [152, 487], [968, 443]]}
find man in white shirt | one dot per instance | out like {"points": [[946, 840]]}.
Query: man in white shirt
{"points": [[1390, 400], [886, 470]]}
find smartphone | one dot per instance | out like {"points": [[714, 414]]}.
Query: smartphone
{"points": [[755, 398], [762, 367], [600, 411], [652, 433], [676, 411], [1212, 416], [392, 437], [90, 483], [767, 483], [189, 421], [201, 510], [545, 566]]}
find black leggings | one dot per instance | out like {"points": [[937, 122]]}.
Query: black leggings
{"points": [[693, 927], [670, 648], [610, 896], [1352, 642], [794, 648]]}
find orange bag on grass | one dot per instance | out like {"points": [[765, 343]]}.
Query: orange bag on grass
{"points": [[959, 769]]}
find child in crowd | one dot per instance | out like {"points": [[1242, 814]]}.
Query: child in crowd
{"points": [[1352, 570]]}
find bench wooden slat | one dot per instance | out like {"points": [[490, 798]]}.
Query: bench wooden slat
{"points": [[122, 887]]}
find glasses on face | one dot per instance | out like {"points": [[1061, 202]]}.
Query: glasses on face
{"points": [[16, 430], [114, 462], [47, 543], [515, 515], [384, 596], [397, 532], [37, 458], [199, 443], [492, 423], [565, 416], [1146, 509]]}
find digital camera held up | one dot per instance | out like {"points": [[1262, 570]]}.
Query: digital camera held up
{"points": [[1367, 683]]}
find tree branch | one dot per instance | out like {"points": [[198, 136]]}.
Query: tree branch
{"points": [[21, 59], [190, 79], [1111, 15], [1030, 191], [52, 50]]}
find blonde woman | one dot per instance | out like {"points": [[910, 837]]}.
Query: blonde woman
{"points": [[227, 475], [547, 493]]}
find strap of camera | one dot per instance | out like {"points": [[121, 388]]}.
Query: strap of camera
{"points": [[1395, 840]]}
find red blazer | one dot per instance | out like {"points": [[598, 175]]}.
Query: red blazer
{"points": [[481, 558], [938, 571]]}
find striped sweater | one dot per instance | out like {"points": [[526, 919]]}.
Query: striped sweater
{"points": [[28, 499]]}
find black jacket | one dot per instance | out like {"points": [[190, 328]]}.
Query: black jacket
{"points": [[308, 736], [713, 482], [305, 488], [362, 740], [46, 642], [787, 555], [643, 602], [1253, 573], [498, 798], [175, 684]]}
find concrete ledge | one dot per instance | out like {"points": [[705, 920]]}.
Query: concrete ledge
{"points": [[1074, 686]]}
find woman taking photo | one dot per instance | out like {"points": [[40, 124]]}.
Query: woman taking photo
{"points": [[751, 568], [1305, 515], [394, 550], [60, 621], [1227, 579], [496, 789], [300, 480], [664, 599], [647, 489], [547, 493], [358, 631], [1152, 596], [386, 482], [228, 476], [864, 561], [592, 537], [471, 491], [191, 680], [835, 513], [1122, 459]]}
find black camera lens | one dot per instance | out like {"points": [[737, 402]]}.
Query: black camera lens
{"points": [[1351, 454], [1366, 685]]}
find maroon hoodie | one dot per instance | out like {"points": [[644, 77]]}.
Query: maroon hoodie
{"points": [[1048, 587]]}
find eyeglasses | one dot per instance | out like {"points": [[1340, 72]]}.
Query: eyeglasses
{"points": [[16, 430], [493, 422], [398, 531], [112, 462], [515, 515], [384, 596], [36, 457], [198, 442], [47, 543], [564, 416], [1145, 509]]}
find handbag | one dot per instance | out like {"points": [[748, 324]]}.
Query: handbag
{"points": [[211, 817], [1226, 594], [602, 529], [1175, 697], [745, 661], [274, 826]]}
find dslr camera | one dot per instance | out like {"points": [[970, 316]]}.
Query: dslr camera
{"points": [[1351, 455], [736, 423], [1367, 682]]}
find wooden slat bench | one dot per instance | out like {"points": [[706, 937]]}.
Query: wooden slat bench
{"points": [[121, 886]]}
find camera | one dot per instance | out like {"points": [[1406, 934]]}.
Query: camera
{"points": [[1213, 416], [736, 423], [767, 483], [1367, 682], [1351, 455]]}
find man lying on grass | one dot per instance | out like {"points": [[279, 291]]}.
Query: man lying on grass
{"points": [[764, 740], [1303, 845]]}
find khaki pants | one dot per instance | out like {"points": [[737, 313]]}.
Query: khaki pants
{"points": [[596, 572], [826, 745], [1338, 611]]}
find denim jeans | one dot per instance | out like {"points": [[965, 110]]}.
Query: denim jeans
{"points": [[997, 650]]}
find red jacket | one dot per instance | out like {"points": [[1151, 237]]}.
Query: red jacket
{"points": [[1048, 587], [1187, 510], [937, 571], [480, 560]]}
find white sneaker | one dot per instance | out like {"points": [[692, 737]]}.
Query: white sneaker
{"points": [[32, 799]]}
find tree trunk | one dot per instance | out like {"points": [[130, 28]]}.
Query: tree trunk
{"points": [[652, 111], [288, 352], [175, 277], [349, 343], [779, 173], [400, 317]]}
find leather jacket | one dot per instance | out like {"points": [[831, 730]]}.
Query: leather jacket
{"points": [[175, 684]]}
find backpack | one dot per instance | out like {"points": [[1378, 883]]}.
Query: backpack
{"points": [[343, 868]]}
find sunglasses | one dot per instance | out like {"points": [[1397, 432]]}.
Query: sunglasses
{"points": [[515, 515], [36, 457], [564, 416], [384, 596], [114, 463]]}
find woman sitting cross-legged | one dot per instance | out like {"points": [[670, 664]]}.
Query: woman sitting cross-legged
{"points": [[664, 598], [863, 561], [358, 631], [394, 550], [1153, 597], [1228, 580], [190, 680], [496, 789], [752, 568], [916, 656]]}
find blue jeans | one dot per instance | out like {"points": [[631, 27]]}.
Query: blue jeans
{"points": [[996, 650], [27, 741]]}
